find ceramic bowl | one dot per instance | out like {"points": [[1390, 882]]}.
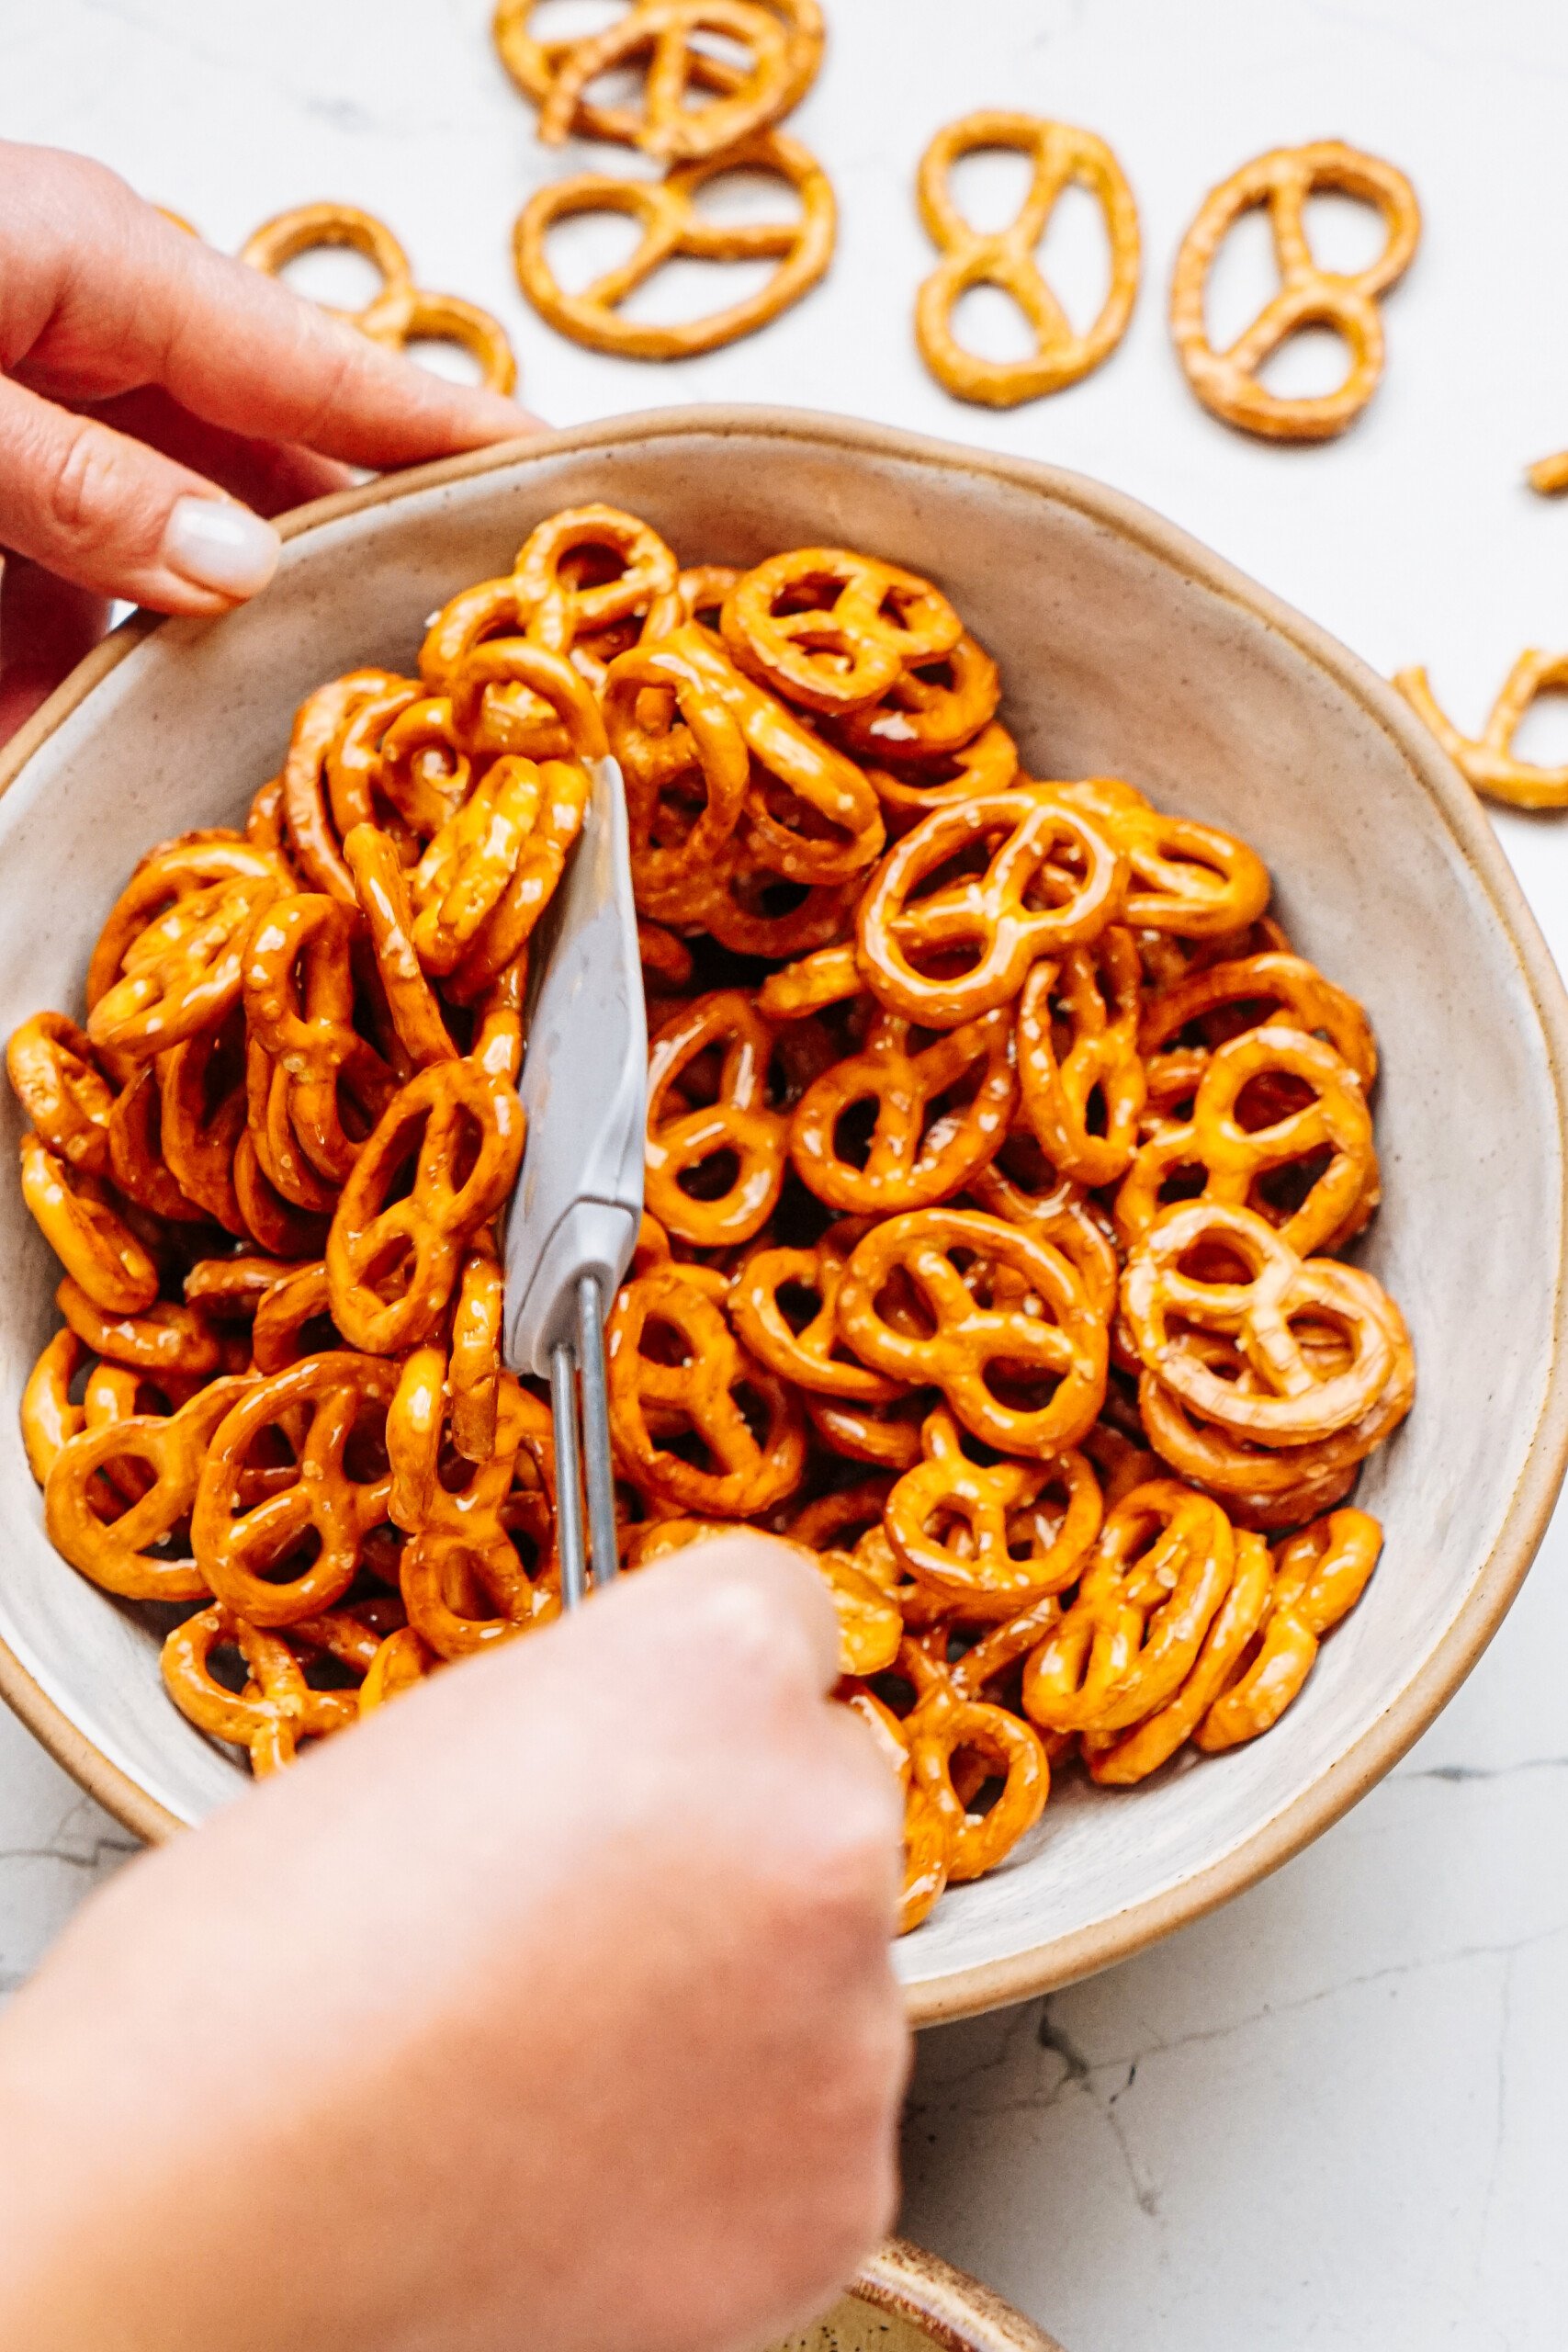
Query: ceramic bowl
{"points": [[908, 2300], [1126, 649]]}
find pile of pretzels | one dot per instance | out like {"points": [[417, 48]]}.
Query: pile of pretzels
{"points": [[1001, 1156]]}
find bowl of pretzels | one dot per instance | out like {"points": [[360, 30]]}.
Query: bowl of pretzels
{"points": [[1103, 1080]]}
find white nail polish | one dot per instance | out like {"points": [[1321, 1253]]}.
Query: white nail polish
{"points": [[217, 545]]}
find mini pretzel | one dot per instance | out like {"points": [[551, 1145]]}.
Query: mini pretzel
{"points": [[94, 1244], [130, 1554], [1273, 988], [399, 312], [933, 711], [1334, 1120], [691, 1385], [685, 785], [737, 1126], [1162, 1564], [942, 1111], [381, 881], [1295, 1405], [832, 630], [56, 1075], [536, 67], [661, 31], [995, 919], [940, 1727], [1118, 1759], [885, 1436], [164, 1338], [320, 724], [181, 974], [137, 1161], [277, 1709], [294, 1321], [402, 1661], [392, 1262], [1227, 382], [321, 1407], [985, 1537], [475, 1370], [814, 1355], [1098, 991], [1054, 1341], [203, 1106], [1487, 761], [174, 872], [1188, 878], [1320, 1574], [1054, 1209], [674, 226], [1062, 157], [298, 987], [911, 789], [49, 1418]]}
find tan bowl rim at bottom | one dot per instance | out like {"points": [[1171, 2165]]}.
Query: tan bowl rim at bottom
{"points": [[956, 2311], [1345, 1778]]}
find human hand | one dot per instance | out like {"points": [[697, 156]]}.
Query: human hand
{"points": [[157, 399], [552, 2006]]}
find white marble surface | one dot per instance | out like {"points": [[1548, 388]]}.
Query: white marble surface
{"points": [[1330, 2116]]}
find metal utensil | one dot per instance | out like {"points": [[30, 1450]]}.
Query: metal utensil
{"points": [[574, 1217]]}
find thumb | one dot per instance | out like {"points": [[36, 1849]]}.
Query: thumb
{"points": [[95, 507]]}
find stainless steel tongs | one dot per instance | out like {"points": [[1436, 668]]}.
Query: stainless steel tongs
{"points": [[574, 1217]]}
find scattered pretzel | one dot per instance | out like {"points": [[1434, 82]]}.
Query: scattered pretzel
{"points": [[537, 67], [1488, 762], [399, 312], [1227, 382], [1062, 157], [674, 226]]}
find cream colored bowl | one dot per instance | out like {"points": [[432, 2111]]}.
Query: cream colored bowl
{"points": [[1126, 649], [908, 2300]]}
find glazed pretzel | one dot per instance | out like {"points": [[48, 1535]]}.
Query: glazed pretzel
{"points": [[1054, 1209], [691, 1385], [203, 1108], [995, 919], [173, 872], [534, 66], [366, 699], [49, 1418], [1162, 1566], [1118, 1759], [475, 1372], [276, 1709], [674, 226], [1320, 1573], [1098, 991], [94, 1244], [885, 1436], [1334, 1121], [934, 711], [1487, 761], [399, 312], [57, 1078], [381, 881], [294, 1319], [738, 1125], [1227, 382], [321, 1407], [402, 1661], [832, 630], [837, 828], [463, 874], [942, 1111], [298, 990], [1246, 992], [181, 974], [814, 1355], [1296, 1403], [392, 1262], [686, 784], [137, 1161], [908, 791], [987, 1537], [1062, 157], [1187, 878], [1054, 1339], [164, 1338], [943, 1725], [130, 1553]]}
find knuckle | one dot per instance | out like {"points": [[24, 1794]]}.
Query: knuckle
{"points": [[84, 487]]}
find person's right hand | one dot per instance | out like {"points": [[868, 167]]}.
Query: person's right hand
{"points": [[551, 2008]]}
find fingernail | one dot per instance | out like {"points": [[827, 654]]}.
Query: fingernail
{"points": [[217, 545]]}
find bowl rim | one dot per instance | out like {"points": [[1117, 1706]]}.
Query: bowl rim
{"points": [[1346, 1778], [959, 2312]]}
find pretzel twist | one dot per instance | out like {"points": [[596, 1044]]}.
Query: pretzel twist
{"points": [[1488, 762], [674, 226], [990, 1538], [942, 1112], [128, 1554], [1049, 1338], [392, 1262], [692, 1385], [399, 312], [1062, 157], [276, 1710], [1098, 990], [737, 1126], [1227, 382]]}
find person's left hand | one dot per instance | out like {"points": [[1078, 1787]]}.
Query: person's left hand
{"points": [[157, 402]]}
